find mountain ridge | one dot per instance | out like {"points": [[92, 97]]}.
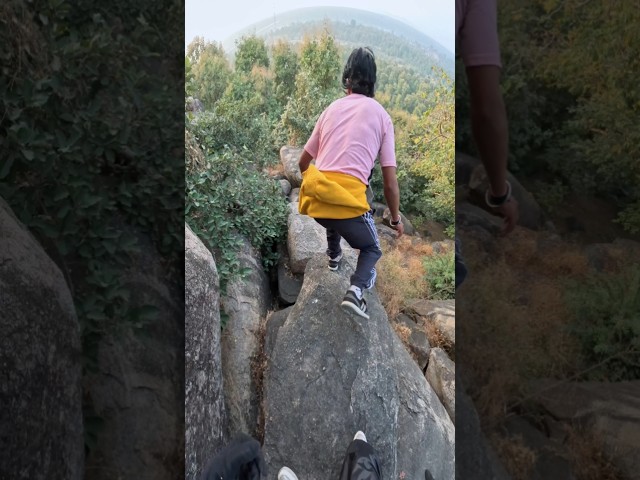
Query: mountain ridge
{"points": [[342, 16]]}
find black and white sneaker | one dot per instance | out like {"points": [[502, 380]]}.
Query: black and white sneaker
{"points": [[334, 262], [351, 303]]}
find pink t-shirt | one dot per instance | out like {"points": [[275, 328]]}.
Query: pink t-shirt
{"points": [[477, 32], [350, 134]]}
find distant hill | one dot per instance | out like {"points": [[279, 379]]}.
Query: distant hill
{"points": [[387, 36]]}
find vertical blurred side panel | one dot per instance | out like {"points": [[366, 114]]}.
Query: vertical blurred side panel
{"points": [[548, 313]]}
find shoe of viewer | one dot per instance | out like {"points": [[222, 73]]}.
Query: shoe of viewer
{"points": [[351, 303], [334, 263], [286, 473], [360, 436]]}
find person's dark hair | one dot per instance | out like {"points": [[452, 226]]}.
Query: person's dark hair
{"points": [[359, 73]]}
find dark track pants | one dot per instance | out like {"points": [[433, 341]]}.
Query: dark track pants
{"points": [[360, 463], [360, 233]]}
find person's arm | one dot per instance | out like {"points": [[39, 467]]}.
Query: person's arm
{"points": [[489, 124], [392, 195], [491, 134], [305, 160]]}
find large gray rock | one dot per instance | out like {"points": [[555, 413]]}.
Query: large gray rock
{"points": [[440, 313], [332, 374], [465, 165], [476, 458], [610, 410], [286, 187], [416, 340], [551, 455], [41, 434], [468, 215], [139, 387], [531, 215], [306, 238], [441, 373], [274, 322], [245, 303], [204, 410], [289, 283], [290, 156]]}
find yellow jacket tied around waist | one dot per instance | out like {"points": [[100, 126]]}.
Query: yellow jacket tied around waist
{"points": [[331, 195]]}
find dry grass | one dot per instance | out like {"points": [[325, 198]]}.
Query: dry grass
{"points": [[514, 319], [274, 170], [587, 457], [258, 369], [401, 274], [404, 333], [515, 329], [437, 339], [517, 458]]}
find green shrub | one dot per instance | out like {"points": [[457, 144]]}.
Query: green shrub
{"points": [[441, 275], [229, 196], [606, 308]]}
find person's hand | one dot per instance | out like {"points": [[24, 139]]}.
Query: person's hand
{"points": [[241, 459], [398, 228], [510, 212]]}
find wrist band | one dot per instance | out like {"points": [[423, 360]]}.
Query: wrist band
{"points": [[495, 202], [395, 224]]}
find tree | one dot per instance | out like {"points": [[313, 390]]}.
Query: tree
{"points": [[316, 86], [251, 52], [434, 141], [285, 68], [211, 75]]}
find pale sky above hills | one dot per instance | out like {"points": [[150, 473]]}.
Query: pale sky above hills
{"points": [[215, 20]]}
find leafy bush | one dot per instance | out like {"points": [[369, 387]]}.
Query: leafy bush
{"points": [[229, 196], [606, 308], [88, 144], [441, 275]]}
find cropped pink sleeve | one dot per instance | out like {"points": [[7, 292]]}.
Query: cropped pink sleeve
{"points": [[478, 32], [388, 147]]}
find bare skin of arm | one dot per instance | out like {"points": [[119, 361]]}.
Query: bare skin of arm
{"points": [[392, 195], [490, 131], [305, 160]]}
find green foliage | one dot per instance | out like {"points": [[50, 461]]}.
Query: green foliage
{"points": [[78, 159], [441, 275], [606, 308], [434, 153], [189, 78], [317, 85], [285, 68], [251, 52], [572, 98], [229, 196], [551, 195], [211, 75], [240, 119], [88, 149]]}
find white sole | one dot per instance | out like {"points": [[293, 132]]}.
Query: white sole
{"points": [[360, 436], [348, 306], [286, 473]]}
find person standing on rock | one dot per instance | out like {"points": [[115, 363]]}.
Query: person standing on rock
{"points": [[345, 142], [477, 39]]}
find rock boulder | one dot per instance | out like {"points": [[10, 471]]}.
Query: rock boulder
{"points": [[332, 374], [40, 356], [245, 303], [205, 414]]}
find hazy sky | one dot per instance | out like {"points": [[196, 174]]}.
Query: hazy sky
{"points": [[215, 20]]}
